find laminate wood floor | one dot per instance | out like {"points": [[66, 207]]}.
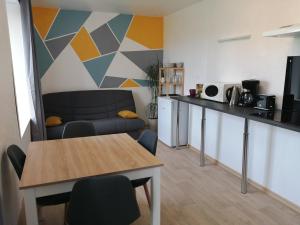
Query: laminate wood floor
{"points": [[191, 195]]}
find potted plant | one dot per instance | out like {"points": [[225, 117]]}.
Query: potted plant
{"points": [[153, 77]]}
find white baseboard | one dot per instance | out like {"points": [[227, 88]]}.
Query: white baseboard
{"points": [[279, 198]]}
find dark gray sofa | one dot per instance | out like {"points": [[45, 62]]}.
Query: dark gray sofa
{"points": [[99, 106]]}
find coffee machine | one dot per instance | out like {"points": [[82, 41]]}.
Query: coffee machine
{"points": [[249, 93]]}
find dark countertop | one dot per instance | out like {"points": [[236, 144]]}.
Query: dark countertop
{"points": [[278, 118]]}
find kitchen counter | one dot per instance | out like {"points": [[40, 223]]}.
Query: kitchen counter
{"points": [[278, 118], [286, 120]]}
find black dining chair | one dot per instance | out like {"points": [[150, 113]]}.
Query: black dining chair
{"points": [[148, 139], [78, 129], [103, 201], [17, 158]]}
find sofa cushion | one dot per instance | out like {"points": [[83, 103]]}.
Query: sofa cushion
{"points": [[88, 105], [99, 106], [117, 125], [126, 114], [53, 121]]}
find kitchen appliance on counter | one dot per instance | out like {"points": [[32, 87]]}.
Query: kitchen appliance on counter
{"points": [[199, 89], [249, 93], [264, 114], [291, 95], [216, 91], [233, 95], [265, 102], [167, 120]]}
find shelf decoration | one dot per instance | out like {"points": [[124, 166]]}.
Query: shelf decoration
{"points": [[171, 81]]}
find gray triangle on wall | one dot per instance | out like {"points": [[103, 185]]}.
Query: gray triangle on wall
{"points": [[57, 45], [112, 82], [144, 59]]}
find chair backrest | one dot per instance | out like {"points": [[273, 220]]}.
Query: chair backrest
{"points": [[148, 139], [103, 201], [78, 129], [17, 158]]}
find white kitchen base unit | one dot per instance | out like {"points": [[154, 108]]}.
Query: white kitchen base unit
{"points": [[167, 118]]}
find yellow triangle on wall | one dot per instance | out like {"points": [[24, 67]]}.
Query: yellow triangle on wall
{"points": [[43, 19], [84, 46], [130, 84], [147, 31]]}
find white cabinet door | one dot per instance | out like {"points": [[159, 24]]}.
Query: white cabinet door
{"points": [[183, 124], [165, 120]]}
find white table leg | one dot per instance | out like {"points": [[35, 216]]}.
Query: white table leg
{"points": [[155, 198], [31, 210]]}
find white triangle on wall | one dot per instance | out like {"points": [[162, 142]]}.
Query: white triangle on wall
{"points": [[97, 19], [67, 73], [130, 45], [121, 66]]}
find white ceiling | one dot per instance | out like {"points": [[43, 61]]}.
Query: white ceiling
{"points": [[136, 7]]}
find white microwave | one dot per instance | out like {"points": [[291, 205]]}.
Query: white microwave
{"points": [[216, 91]]}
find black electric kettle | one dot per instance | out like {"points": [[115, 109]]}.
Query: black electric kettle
{"points": [[233, 95]]}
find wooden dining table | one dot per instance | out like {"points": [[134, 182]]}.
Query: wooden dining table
{"points": [[54, 166]]}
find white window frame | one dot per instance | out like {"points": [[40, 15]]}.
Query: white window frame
{"points": [[20, 69]]}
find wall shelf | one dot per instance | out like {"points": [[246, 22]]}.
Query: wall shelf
{"points": [[286, 31], [235, 38]]}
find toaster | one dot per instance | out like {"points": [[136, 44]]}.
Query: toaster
{"points": [[265, 102]]}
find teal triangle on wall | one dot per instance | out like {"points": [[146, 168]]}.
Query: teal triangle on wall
{"points": [[119, 25], [44, 59], [98, 67], [67, 22], [143, 83]]}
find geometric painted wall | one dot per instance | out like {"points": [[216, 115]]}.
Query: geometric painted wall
{"points": [[108, 49]]}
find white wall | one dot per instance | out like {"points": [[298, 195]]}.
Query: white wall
{"points": [[68, 72], [10, 197], [57, 79], [191, 37]]}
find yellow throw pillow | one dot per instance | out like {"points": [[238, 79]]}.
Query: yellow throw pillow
{"points": [[126, 114], [52, 121]]}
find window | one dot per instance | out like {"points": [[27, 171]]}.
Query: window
{"points": [[19, 64]]}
